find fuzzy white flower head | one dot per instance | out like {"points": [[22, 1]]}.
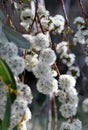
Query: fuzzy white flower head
{"points": [[47, 85], [68, 59], [25, 92], [66, 81], [85, 105], [86, 60], [68, 110], [48, 56], [62, 48], [41, 69], [8, 49], [17, 64], [28, 115], [31, 61], [42, 11], [41, 41], [74, 71], [78, 124], [27, 15], [79, 37], [58, 21], [67, 126], [79, 21]]}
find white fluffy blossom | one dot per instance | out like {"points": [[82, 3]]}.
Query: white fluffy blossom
{"points": [[66, 81], [16, 64], [41, 41], [42, 11], [27, 15], [68, 110], [79, 21], [62, 48], [74, 71], [31, 61], [48, 56], [47, 85], [68, 59], [25, 92], [7, 50], [85, 105], [41, 69], [67, 126], [58, 21], [78, 124]]}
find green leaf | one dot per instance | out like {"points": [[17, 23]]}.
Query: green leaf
{"points": [[7, 77], [2, 16], [6, 120], [16, 38]]}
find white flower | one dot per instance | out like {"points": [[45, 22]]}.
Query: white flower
{"points": [[17, 64], [79, 37], [7, 50], [62, 48], [25, 92], [42, 11], [27, 15], [48, 56], [47, 85], [67, 126], [79, 21], [41, 41], [68, 110], [66, 81], [85, 105], [78, 124], [74, 71], [27, 114], [58, 21], [86, 60], [31, 61], [41, 69], [68, 59]]}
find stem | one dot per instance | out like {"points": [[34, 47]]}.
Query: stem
{"points": [[84, 14], [57, 70], [65, 14], [54, 111]]}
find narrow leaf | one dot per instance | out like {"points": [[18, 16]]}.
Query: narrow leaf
{"points": [[16, 38], [6, 120], [7, 77]]}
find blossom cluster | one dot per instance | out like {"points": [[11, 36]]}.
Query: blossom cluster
{"points": [[68, 97], [67, 58], [19, 108]]}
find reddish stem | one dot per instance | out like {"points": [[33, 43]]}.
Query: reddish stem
{"points": [[54, 107], [65, 14], [84, 14]]}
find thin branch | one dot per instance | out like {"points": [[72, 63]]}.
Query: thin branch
{"points": [[54, 107], [65, 14], [84, 14]]}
